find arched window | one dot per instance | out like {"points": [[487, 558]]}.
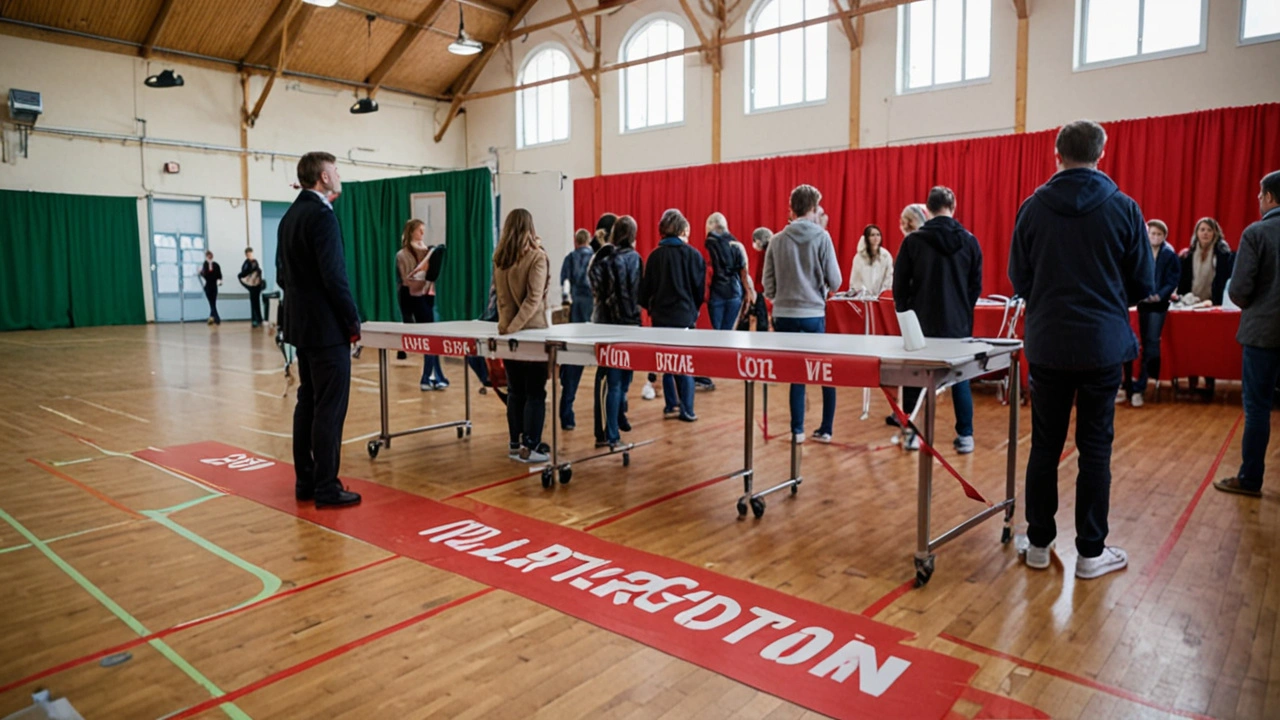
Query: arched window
{"points": [[789, 68], [542, 112], [652, 93]]}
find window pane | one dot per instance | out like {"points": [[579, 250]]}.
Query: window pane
{"points": [[657, 93], [1261, 17], [546, 109], [637, 89], [815, 49], [768, 17], [1111, 30], [766, 66], [560, 101], [675, 90], [167, 279], [1170, 24], [977, 41], [920, 44], [791, 67], [948, 38]]}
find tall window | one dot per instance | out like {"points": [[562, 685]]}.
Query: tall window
{"points": [[653, 93], [944, 42], [789, 68], [1118, 30], [542, 112], [1259, 21]]}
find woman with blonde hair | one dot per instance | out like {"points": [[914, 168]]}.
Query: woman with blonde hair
{"points": [[913, 217], [521, 273], [417, 295]]}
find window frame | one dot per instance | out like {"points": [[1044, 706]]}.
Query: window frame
{"points": [[636, 29], [1242, 41], [749, 74], [904, 51], [524, 65], [1082, 38]]}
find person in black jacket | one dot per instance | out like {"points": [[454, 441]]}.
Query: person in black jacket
{"points": [[1080, 257], [211, 276], [1206, 268], [939, 276], [251, 278], [615, 281], [322, 322], [1152, 312], [673, 289]]}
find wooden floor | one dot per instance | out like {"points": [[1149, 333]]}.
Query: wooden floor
{"points": [[98, 549]]}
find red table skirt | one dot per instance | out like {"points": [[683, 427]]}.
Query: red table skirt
{"points": [[1198, 342]]}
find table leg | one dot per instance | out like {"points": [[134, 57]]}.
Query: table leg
{"points": [[924, 499], [383, 400], [548, 474], [466, 390], [1011, 469]]}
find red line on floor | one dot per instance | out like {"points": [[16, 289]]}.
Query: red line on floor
{"points": [[876, 607], [658, 500], [100, 495], [1070, 677], [1066, 453], [490, 486], [325, 656], [186, 626]]}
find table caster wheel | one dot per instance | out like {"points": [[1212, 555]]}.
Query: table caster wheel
{"points": [[566, 474], [461, 432], [795, 489], [374, 446], [924, 571], [1005, 536], [757, 507], [626, 459], [742, 508], [548, 481], [468, 431]]}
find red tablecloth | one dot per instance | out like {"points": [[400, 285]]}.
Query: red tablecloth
{"points": [[849, 317], [1199, 342]]}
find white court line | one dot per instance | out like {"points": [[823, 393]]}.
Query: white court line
{"points": [[409, 400], [371, 391], [112, 410], [267, 432], [366, 381], [68, 417], [22, 430], [165, 470], [362, 437], [264, 393], [60, 463]]}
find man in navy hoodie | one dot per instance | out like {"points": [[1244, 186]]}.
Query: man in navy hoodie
{"points": [[1080, 257]]}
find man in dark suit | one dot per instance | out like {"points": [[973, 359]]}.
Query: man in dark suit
{"points": [[320, 320]]}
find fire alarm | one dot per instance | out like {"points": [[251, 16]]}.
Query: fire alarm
{"points": [[172, 168]]}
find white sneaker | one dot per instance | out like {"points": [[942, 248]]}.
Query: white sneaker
{"points": [[647, 392], [533, 456], [1121, 396], [912, 441], [1038, 557], [964, 444], [1136, 400], [1111, 560], [798, 438], [821, 436]]}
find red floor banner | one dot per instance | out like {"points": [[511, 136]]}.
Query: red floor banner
{"points": [[834, 662]]}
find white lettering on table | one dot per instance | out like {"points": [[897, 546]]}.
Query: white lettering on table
{"points": [[675, 363], [755, 368], [614, 358], [416, 343], [817, 370], [239, 461], [455, 347]]}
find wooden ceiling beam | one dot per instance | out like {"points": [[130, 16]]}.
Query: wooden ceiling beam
{"points": [[271, 30], [587, 74], [428, 16], [846, 24], [472, 73], [297, 24], [604, 7], [587, 42], [697, 28], [1020, 7], [157, 25]]}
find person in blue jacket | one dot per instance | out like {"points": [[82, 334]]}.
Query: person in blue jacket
{"points": [[1080, 256], [1152, 312]]}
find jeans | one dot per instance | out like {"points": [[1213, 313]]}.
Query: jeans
{"points": [[618, 383], [527, 402], [324, 387], [961, 398], [580, 310], [1261, 372], [724, 312], [478, 366], [677, 392], [1053, 392], [255, 305], [571, 375], [421, 309], [808, 325], [1150, 326]]}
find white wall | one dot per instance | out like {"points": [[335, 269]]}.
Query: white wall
{"points": [[1225, 75], [88, 90]]}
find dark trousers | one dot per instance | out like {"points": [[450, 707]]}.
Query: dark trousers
{"points": [[324, 386], [526, 401], [961, 398], [255, 305], [1053, 393], [1150, 326], [1261, 372], [571, 375], [421, 309], [761, 313], [211, 294]]}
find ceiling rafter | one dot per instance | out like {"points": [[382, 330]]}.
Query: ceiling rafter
{"points": [[296, 25], [270, 31], [426, 18], [157, 25], [587, 41], [604, 7], [697, 30]]}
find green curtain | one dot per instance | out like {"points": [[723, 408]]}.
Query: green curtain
{"points": [[372, 214], [69, 261]]}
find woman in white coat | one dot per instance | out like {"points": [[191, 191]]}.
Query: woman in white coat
{"points": [[872, 271]]}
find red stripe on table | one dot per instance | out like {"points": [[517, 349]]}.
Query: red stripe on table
{"points": [[96, 493], [323, 657], [1162, 555], [656, 501], [187, 626], [1071, 677]]}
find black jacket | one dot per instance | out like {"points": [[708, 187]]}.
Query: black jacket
{"points": [[1168, 269], [939, 275], [311, 269], [211, 275], [615, 286], [1080, 258], [674, 284], [726, 264], [1224, 261], [247, 269]]}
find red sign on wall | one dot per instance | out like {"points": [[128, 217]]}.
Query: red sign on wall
{"points": [[763, 365]]}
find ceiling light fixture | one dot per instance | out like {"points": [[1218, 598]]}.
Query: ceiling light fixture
{"points": [[321, 3], [166, 79], [464, 45], [364, 106]]}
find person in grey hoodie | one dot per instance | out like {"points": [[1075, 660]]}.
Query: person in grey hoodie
{"points": [[800, 269]]}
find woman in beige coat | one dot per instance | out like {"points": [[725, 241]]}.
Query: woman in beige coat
{"points": [[521, 272]]}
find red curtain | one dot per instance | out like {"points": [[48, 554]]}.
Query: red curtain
{"points": [[1179, 168]]}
